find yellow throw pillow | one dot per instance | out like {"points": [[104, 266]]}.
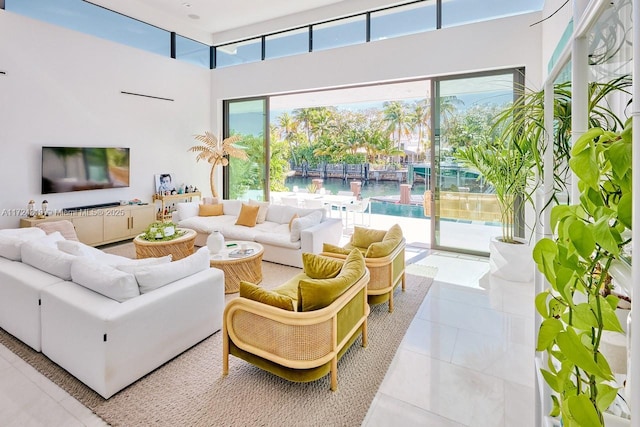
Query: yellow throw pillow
{"points": [[363, 237], [314, 294], [211, 210], [320, 267], [328, 247], [256, 293], [394, 233], [291, 220], [248, 215]]}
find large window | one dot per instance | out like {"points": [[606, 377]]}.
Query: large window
{"points": [[403, 20], [458, 12], [288, 43], [239, 53], [90, 19], [343, 32], [192, 51]]}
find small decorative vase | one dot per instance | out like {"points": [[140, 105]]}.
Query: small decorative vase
{"points": [[215, 242]]}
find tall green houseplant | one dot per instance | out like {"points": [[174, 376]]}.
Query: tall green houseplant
{"points": [[576, 263], [508, 165]]}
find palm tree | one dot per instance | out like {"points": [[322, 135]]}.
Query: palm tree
{"points": [[395, 114], [215, 153], [420, 118]]}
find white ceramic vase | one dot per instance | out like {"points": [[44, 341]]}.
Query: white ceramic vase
{"points": [[511, 261], [215, 242]]}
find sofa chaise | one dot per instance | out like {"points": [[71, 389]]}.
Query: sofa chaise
{"points": [[285, 232], [106, 319]]}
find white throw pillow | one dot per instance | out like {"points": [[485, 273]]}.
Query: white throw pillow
{"points": [[47, 258], [11, 240], [73, 247], [51, 240], [136, 264], [104, 279], [303, 223], [155, 276], [262, 210], [187, 210]]}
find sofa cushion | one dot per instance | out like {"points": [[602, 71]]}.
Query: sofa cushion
{"points": [[104, 279], [282, 214], [277, 239], [363, 237], [239, 232], [232, 207], [47, 258], [136, 264], [80, 249], [320, 267], [207, 224], [314, 294], [256, 293], [210, 210], [65, 227], [187, 210], [262, 212], [248, 215], [151, 277], [389, 242], [328, 247], [303, 223], [11, 240]]}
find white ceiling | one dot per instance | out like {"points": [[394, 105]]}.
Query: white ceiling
{"points": [[210, 16]]}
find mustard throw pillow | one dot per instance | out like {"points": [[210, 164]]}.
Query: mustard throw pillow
{"points": [[328, 247], [363, 237], [248, 215], [314, 294], [320, 267], [211, 210], [256, 293]]}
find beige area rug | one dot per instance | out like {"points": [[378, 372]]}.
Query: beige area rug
{"points": [[190, 390]]}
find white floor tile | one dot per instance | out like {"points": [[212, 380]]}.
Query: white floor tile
{"points": [[388, 411]]}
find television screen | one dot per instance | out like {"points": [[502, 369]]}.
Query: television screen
{"points": [[67, 169]]}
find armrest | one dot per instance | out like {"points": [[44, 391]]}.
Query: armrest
{"points": [[328, 231]]}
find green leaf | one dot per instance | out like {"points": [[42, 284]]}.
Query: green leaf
{"points": [[555, 409], [610, 321], [549, 330], [557, 213], [584, 313], [582, 238], [583, 412], [606, 396], [624, 210], [619, 154], [552, 380], [541, 304], [544, 253], [585, 140], [571, 346], [585, 166], [604, 236]]}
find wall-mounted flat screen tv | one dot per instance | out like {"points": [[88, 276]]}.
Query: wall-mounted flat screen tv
{"points": [[66, 169]]}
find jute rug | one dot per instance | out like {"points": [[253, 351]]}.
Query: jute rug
{"points": [[190, 390]]}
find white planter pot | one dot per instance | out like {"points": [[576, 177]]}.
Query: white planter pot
{"points": [[511, 261]]}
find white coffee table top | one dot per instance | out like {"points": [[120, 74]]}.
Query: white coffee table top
{"points": [[225, 253]]}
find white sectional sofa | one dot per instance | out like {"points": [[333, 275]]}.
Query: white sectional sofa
{"points": [[283, 237], [127, 318]]}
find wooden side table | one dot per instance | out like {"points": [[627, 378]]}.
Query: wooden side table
{"points": [[247, 268], [179, 248]]}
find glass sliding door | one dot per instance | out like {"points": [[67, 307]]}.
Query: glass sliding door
{"points": [[465, 206], [247, 179]]}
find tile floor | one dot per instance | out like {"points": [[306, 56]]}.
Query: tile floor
{"points": [[466, 360]]}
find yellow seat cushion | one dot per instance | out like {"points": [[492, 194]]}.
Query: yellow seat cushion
{"points": [[391, 239], [256, 293], [328, 247], [248, 215], [362, 237], [320, 267], [314, 294], [211, 210]]}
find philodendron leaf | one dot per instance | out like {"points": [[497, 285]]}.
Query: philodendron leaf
{"points": [[552, 380], [585, 166], [604, 235], [544, 253], [624, 210], [619, 154], [571, 346], [585, 140], [541, 303], [549, 330], [582, 238], [585, 315], [555, 410], [583, 412], [610, 321], [558, 213], [606, 396]]}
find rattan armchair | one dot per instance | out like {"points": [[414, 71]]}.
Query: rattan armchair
{"points": [[387, 271], [299, 346]]}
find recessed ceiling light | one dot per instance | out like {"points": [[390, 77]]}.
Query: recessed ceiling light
{"points": [[193, 16], [185, 4]]}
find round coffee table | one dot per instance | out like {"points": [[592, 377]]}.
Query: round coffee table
{"points": [[178, 248], [238, 266]]}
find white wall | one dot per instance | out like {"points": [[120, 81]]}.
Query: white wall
{"points": [[63, 88]]}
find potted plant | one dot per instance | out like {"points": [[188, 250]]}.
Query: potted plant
{"points": [[507, 164], [215, 153], [576, 263]]}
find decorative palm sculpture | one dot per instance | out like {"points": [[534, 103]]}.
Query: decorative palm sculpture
{"points": [[216, 152]]}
